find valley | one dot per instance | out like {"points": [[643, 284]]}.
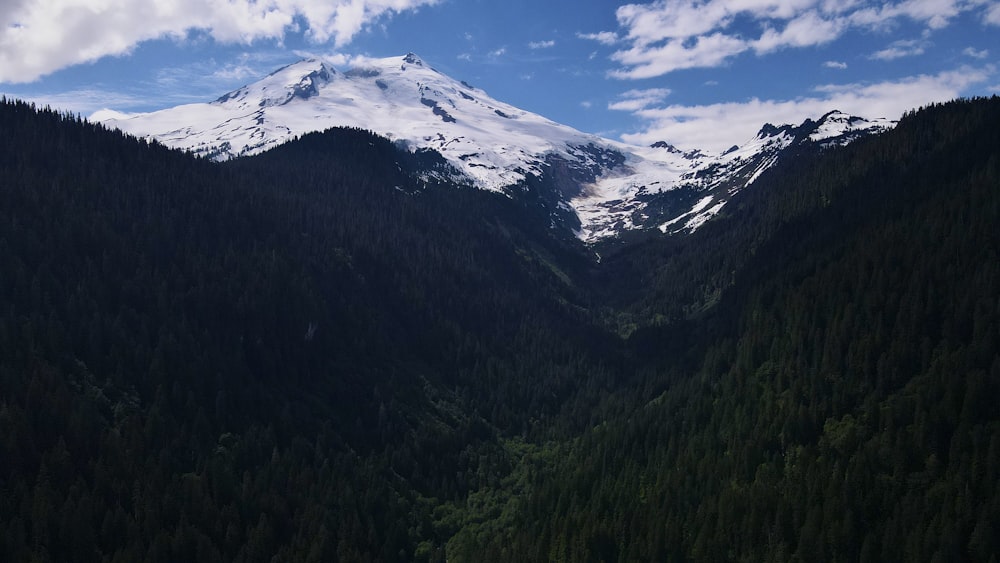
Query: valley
{"points": [[339, 349]]}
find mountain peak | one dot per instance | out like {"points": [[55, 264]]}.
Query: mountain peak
{"points": [[300, 80], [837, 127], [769, 130], [606, 187], [666, 146], [413, 59], [300, 70], [671, 149]]}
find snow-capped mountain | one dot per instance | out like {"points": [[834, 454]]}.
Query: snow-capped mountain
{"points": [[604, 186], [700, 192]]}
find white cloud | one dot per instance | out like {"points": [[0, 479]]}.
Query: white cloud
{"points": [[647, 24], [706, 51], [586, 104], [336, 59], [603, 37], [541, 44], [84, 101], [992, 14], [668, 35], [976, 54], [499, 52], [839, 65], [38, 37], [635, 100], [900, 49], [194, 82], [805, 30], [235, 72], [715, 127], [935, 14]]}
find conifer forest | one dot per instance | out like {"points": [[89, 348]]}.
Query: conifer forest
{"points": [[313, 354]]}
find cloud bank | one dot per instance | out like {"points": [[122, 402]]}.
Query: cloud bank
{"points": [[715, 127], [542, 44], [664, 36], [38, 37]]}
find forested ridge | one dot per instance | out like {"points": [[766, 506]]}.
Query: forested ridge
{"points": [[845, 406], [323, 353]]}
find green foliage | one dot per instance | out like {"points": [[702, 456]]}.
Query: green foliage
{"points": [[844, 407], [277, 357], [324, 353]]}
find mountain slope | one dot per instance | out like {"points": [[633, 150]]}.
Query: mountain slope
{"points": [[493, 144], [607, 187], [841, 409], [684, 203], [181, 340], [309, 356]]}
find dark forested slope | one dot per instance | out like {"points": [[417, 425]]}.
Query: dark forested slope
{"points": [[322, 353], [277, 356], [845, 407]]}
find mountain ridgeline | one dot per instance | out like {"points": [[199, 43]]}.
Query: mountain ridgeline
{"points": [[329, 351], [597, 187]]}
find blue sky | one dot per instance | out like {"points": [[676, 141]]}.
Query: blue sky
{"points": [[698, 73]]}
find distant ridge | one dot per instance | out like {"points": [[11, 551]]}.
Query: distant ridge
{"points": [[596, 187]]}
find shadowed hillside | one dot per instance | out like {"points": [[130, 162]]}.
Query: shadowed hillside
{"points": [[317, 354]]}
